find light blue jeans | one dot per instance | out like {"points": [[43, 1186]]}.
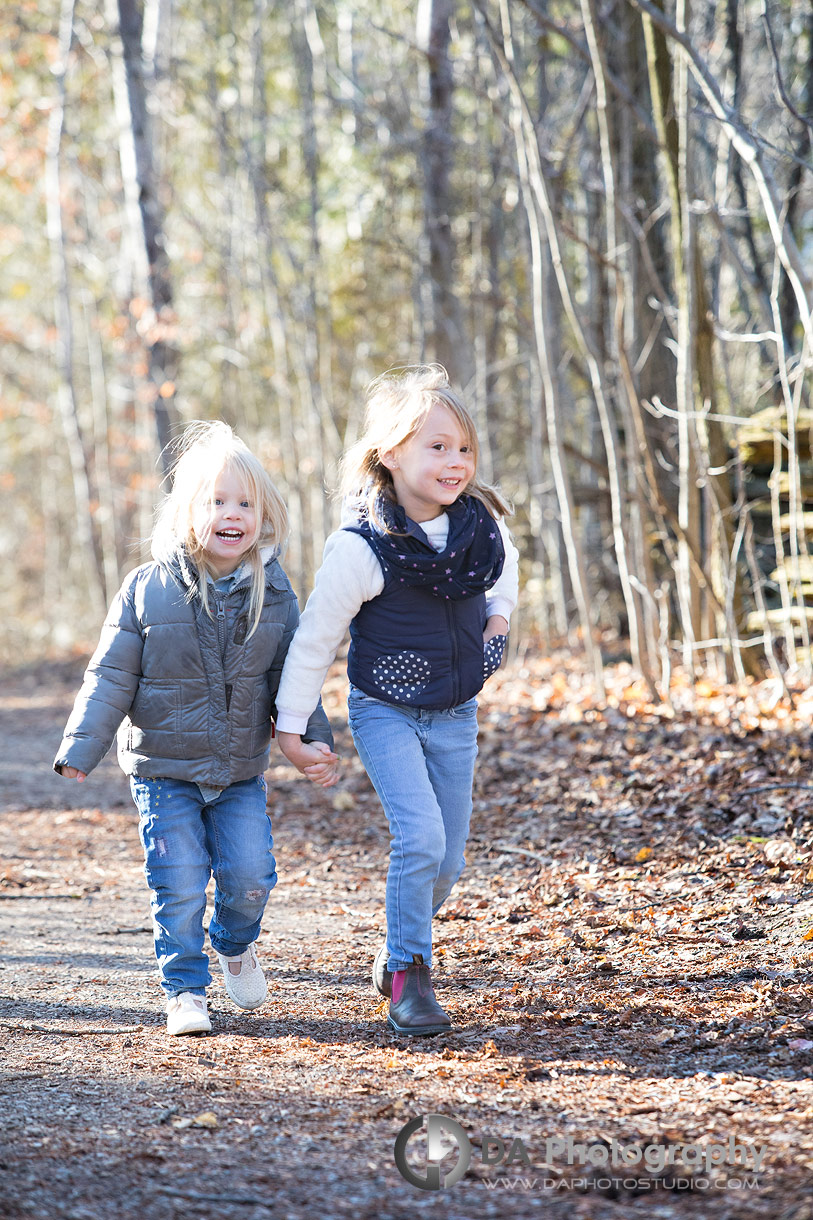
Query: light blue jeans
{"points": [[190, 834], [421, 764]]}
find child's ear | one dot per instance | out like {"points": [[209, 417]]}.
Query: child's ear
{"points": [[388, 459]]}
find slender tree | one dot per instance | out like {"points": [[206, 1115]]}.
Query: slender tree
{"points": [[75, 442], [151, 284], [446, 340]]}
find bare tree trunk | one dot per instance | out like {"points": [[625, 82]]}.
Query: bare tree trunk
{"points": [[790, 577], [322, 440], [447, 339], [106, 512], [145, 213], [609, 430], [84, 495], [486, 242], [645, 363], [545, 260], [734, 43], [698, 447], [276, 322], [670, 106], [649, 327]]}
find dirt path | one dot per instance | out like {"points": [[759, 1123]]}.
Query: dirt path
{"points": [[609, 984]]}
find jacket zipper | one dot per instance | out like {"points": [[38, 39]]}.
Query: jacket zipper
{"points": [[221, 639], [221, 625]]}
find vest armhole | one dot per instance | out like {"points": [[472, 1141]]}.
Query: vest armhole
{"points": [[352, 529]]}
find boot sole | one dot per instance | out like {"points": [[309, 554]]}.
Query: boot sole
{"points": [[419, 1031]]}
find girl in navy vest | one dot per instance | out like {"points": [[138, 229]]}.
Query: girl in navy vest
{"points": [[425, 575]]}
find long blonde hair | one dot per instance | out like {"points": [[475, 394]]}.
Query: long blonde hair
{"points": [[398, 402], [204, 451]]}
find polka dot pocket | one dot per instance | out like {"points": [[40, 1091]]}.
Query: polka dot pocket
{"points": [[492, 655], [401, 675]]}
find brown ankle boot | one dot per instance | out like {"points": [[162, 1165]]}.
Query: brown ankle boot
{"points": [[413, 1007]]}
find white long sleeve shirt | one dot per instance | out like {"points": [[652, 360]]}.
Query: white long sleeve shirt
{"points": [[349, 576]]}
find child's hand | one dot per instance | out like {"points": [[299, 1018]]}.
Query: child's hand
{"points": [[72, 773], [326, 771], [314, 759], [496, 625]]}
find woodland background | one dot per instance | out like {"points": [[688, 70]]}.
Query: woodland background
{"points": [[596, 215], [599, 217]]}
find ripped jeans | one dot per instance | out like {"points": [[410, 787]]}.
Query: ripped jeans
{"points": [[188, 836]]}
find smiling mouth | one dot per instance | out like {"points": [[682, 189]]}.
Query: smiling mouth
{"points": [[229, 535]]}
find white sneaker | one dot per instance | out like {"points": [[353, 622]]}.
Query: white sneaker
{"points": [[244, 978], [187, 1014]]}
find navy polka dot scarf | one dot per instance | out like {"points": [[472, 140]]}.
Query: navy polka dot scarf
{"points": [[469, 565]]}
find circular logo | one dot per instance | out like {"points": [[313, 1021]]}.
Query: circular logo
{"points": [[438, 1126]]}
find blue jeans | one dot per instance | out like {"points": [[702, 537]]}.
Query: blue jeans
{"points": [[421, 764], [189, 835]]}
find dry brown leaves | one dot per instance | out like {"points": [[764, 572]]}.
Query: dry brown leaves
{"points": [[626, 958]]}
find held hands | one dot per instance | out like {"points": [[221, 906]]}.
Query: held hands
{"points": [[314, 759], [72, 773]]}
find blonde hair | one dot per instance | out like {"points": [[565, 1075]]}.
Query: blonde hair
{"points": [[205, 450], [398, 403]]}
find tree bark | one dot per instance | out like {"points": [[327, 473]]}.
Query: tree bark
{"points": [[446, 337], [77, 450], [145, 215]]}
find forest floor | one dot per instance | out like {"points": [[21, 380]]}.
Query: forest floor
{"points": [[627, 961]]}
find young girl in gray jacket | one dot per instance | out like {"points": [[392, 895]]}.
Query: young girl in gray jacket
{"points": [[186, 672]]}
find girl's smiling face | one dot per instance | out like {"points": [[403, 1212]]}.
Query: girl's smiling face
{"points": [[226, 525], [432, 468]]}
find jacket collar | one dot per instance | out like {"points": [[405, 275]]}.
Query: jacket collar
{"points": [[185, 572]]}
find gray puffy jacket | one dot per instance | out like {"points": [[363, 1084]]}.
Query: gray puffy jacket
{"points": [[191, 695]]}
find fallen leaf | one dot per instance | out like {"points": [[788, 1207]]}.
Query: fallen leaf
{"points": [[207, 1119]]}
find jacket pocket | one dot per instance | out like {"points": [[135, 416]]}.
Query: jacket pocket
{"points": [[155, 718]]}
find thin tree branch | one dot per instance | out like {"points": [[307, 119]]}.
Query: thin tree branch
{"points": [[780, 85]]}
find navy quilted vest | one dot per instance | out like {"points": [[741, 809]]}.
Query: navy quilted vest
{"points": [[411, 646]]}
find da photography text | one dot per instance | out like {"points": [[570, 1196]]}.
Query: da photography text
{"points": [[432, 1167]]}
